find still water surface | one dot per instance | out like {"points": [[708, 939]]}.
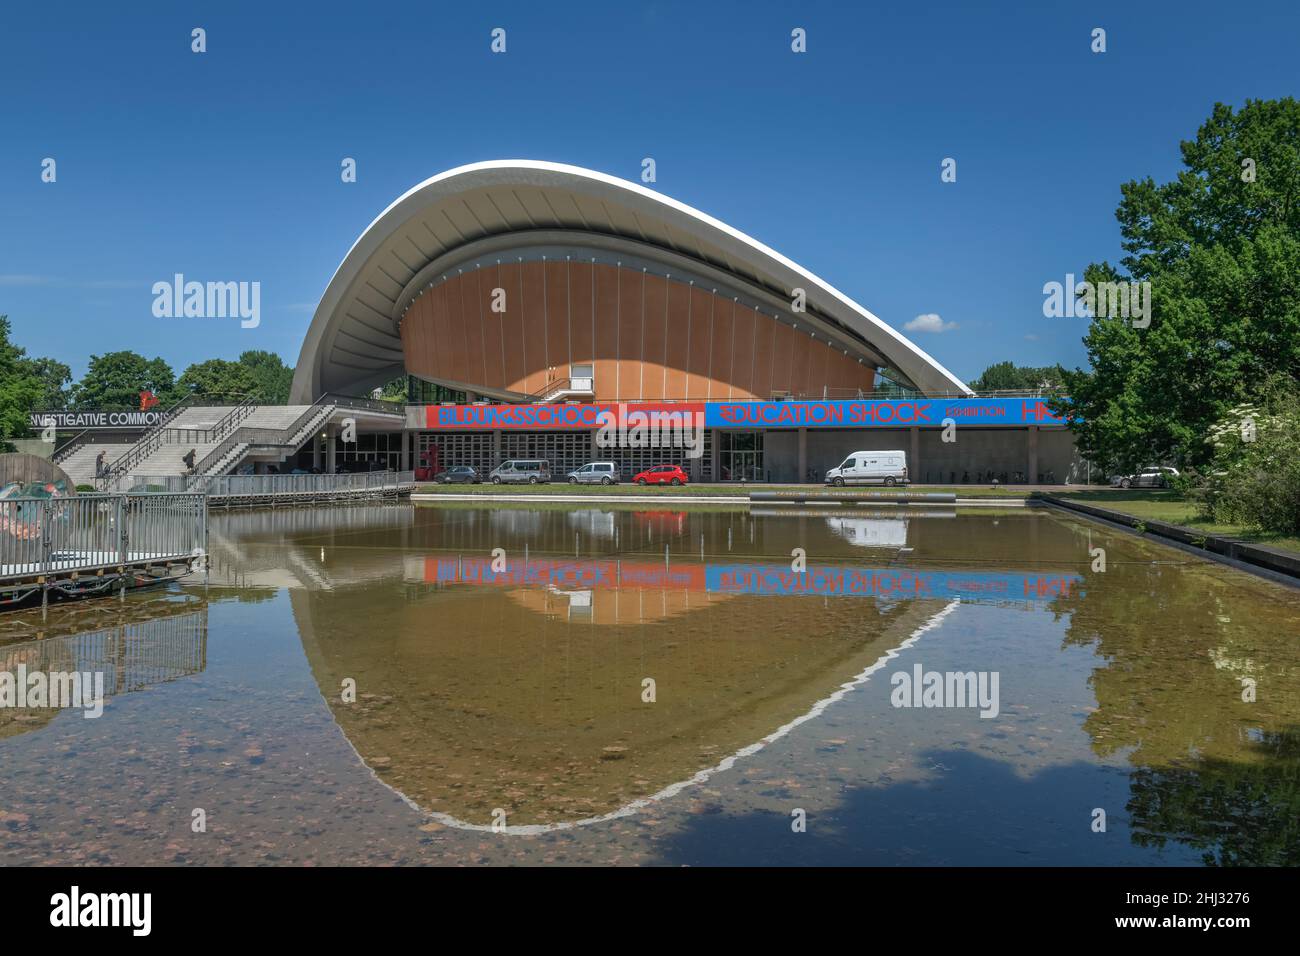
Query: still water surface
{"points": [[651, 686]]}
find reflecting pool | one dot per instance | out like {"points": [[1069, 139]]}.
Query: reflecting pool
{"points": [[445, 683]]}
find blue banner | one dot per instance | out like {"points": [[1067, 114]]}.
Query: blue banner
{"points": [[767, 579], [891, 413]]}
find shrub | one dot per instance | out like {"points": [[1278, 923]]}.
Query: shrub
{"points": [[1255, 477]]}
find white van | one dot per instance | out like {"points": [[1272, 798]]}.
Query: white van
{"points": [[864, 467], [517, 471]]}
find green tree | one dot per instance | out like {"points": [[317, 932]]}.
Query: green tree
{"points": [[116, 379], [55, 378], [1220, 247], [217, 378], [1005, 376], [271, 377], [21, 388], [396, 391]]}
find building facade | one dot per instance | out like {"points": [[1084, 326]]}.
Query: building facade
{"points": [[531, 303]]}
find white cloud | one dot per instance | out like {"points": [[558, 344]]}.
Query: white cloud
{"points": [[301, 307], [1031, 337], [930, 322]]}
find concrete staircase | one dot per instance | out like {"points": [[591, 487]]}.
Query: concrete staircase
{"points": [[167, 459], [161, 450], [221, 437], [80, 463], [267, 425], [199, 416]]}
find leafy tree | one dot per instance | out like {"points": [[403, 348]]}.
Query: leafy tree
{"points": [[1220, 247], [217, 378], [116, 379], [395, 391], [1006, 376], [55, 378], [21, 387], [272, 378]]}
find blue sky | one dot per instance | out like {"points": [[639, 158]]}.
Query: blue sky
{"points": [[225, 165]]}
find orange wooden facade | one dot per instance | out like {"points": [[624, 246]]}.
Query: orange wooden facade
{"points": [[647, 337]]}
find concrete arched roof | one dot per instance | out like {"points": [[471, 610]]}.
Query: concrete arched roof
{"points": [[353, 341]]}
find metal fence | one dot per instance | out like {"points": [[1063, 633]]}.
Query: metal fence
{"points": [[45, 536], [284, 486]]}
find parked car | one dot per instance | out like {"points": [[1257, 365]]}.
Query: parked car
{"points": [[1152, 476], [596, 472], [865, 467], [532, 471], [661, 475], [460, 475]]}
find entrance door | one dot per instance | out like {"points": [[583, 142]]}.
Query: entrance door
{"points": [[742, 456]]}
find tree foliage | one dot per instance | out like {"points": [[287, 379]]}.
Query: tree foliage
{"points": [[1255, 476], [271, 377], [55, 378], [116, 379], [1007, 376], [21, 387], [218, 379], [396, 391], [1220, 245]]}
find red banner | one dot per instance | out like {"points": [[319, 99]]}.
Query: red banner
{"points": [[585, 416]]}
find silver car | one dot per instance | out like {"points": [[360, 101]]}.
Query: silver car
{"points": [[595, 473], [1153, 476]]}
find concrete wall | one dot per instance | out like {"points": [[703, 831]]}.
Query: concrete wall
{"points": [[827, 448], [976, 450]]}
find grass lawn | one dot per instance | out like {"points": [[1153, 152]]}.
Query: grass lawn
{"points": [[701, 491], [1170, 507]]}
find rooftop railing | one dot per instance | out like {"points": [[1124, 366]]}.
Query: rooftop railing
{"points": [[825, 394]]}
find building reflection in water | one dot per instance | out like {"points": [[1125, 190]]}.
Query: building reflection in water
{"points": [[603, 661]]}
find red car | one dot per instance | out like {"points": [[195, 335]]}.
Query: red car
{"points": [[661, 475]]}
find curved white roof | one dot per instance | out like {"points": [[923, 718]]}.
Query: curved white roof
{"points": [[353, 342]]}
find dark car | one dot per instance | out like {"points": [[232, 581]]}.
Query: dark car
{"points": [[460, 475], [662, 475]]}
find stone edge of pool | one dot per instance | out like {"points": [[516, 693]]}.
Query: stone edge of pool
{"points": [[1272, 563], [669, 499]]}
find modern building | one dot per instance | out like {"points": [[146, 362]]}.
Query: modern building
{"points": [[531, 303]]}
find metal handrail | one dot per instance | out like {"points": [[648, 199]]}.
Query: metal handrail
{"points": [[231, 419], [145, 445], [253, 436], [371, 404], [828, 394], [157, 436], [44, 536], [228, 486], [555, 385], [70, 446]]}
